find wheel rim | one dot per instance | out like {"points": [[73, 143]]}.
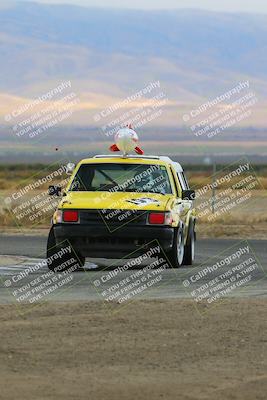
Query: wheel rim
{"points": [[180, 248]]}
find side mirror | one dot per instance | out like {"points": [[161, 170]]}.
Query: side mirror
{"points": [[54, 190], [188, 195]]}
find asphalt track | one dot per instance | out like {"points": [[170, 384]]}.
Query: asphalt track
{"points": [[216, 257]]}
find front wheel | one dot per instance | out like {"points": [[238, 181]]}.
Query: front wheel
{"points": [[55, 260], [176, 255]]}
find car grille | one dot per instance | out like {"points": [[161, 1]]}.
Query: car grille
{"points": [[113, 217]]}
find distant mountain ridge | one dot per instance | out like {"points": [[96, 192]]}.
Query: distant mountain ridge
{"points": [[110, 54], [194, 54]]}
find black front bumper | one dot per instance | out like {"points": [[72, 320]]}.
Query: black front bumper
{"points": [[99, 241]]}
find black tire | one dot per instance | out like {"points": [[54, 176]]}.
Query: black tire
{"points": [[189, 249], [53, 248], [176, 255]]}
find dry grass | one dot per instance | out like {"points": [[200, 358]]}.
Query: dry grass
{"points": [[17, 176], [199, 179], [247, 219]]}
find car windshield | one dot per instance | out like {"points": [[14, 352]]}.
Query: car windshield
{"points": [[122, 178]]}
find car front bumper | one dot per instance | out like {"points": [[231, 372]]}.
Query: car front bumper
{"points": [[126, 241]]}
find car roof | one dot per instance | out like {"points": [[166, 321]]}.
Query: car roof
{"points": [[161, 160]]}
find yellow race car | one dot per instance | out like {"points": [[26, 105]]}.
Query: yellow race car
{"points": [[115, 206]]}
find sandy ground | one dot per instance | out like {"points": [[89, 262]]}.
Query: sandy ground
{"points": [[149, 350]]}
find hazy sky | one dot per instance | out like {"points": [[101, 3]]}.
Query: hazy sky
{"points": [[257, 6]]}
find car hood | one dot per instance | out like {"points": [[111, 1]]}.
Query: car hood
{"points": [[117, 200]]}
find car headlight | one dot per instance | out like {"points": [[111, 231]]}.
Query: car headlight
{"points": [[57, 217]]}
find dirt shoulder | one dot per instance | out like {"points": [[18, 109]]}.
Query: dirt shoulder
{"points": [[256, 231], [149, 350]]}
